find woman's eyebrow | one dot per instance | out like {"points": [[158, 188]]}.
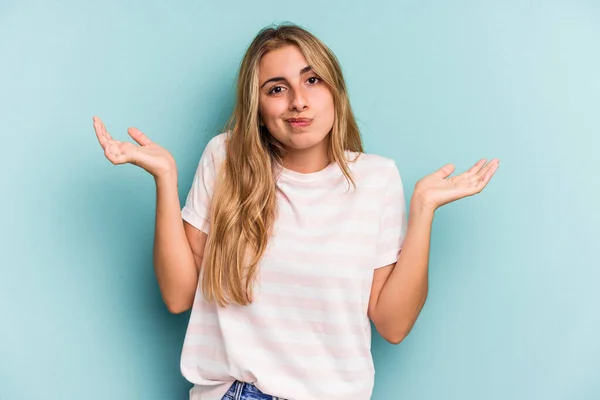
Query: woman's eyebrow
{"points": [[280, 78]]}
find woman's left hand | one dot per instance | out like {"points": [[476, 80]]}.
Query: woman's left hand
{"points": [[434, 190]]}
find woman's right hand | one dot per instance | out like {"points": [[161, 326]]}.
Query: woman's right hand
{"points": [[148, 155]]}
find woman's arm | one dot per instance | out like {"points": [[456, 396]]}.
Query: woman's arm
{"points": [[399, 290], [178, 248]]}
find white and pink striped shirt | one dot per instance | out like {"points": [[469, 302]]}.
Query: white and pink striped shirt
{"points": [[307, 335]]}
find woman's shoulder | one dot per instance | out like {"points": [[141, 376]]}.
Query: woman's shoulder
{"points": [[369, 161], [215, 150], [375, 171], [217, 143]]}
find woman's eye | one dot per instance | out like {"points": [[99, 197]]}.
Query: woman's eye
{"points": [[275, 90], [313, 79]]}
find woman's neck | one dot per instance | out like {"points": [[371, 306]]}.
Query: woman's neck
{"points": [[308, 160]]}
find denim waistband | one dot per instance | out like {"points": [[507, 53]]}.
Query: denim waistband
{"points": [[247, 391]]}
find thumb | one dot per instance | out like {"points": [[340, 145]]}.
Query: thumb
{"points": [[139, 137], [445, 171]]}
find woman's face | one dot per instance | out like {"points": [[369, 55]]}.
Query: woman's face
{"points": [[295, 105]]}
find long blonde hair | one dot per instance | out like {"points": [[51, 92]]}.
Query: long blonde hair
{"points": [[243, 207]]}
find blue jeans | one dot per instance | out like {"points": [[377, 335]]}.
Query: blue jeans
{"points": [[247, 391]]}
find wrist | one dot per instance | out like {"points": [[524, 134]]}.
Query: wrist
{"points": [[168, 178], [420, 209]]}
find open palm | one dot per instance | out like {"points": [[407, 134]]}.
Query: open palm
{"points": [[436, 189], [148, 155]]}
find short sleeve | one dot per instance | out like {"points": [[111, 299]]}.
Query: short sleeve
{"points": [[393, 222], [197, 205]]}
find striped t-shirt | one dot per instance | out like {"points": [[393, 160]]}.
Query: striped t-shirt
{"points": [[307, 335]]}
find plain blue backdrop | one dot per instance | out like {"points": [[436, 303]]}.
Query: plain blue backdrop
{"points": [[514, 293]]}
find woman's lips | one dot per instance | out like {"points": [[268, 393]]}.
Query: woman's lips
{"points": [[299, 122]]}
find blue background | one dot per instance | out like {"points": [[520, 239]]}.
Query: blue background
{"points": [[514, 294]]}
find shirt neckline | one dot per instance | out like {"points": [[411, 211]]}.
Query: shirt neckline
{"points": [[328, 171]]}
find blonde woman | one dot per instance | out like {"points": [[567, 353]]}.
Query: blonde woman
{"points": [[291, 238]]}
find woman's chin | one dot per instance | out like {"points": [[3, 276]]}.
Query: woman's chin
{"points": [[304, 141]]}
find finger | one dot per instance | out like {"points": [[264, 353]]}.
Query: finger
{"points": [[477, 167], [139, 137], [104, 136], [493, 164], [102, 128], [445, 171], [485, 178], [99, 135], [492, 170]]}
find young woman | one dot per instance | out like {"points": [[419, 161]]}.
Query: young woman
{"points": [[289, 241]]}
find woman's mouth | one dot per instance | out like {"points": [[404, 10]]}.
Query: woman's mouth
{"points": [[299, 122]]}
